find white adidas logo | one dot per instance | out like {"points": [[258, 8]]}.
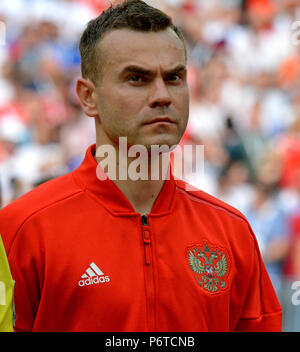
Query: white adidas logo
{"points": [[93, 275]]}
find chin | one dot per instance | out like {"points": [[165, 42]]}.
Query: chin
{"points": [[170, 141], [169, 144]]}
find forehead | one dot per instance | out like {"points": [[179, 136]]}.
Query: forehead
{"points": [[122, 47]]}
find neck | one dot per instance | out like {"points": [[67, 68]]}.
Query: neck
{"points": [[141, 193], [139, 178]]}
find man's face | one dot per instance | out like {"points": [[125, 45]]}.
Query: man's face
{"points": [[142, 91]]}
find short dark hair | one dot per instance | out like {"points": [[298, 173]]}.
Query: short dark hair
{"points": [[130, 14]]}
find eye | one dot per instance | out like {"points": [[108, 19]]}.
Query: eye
{"points": [[135, 78], [174, 78]]}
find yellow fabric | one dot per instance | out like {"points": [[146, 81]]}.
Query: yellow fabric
{"points": [[6, 293]]}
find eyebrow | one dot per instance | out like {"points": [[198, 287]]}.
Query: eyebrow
{"points": [[141, 70]]}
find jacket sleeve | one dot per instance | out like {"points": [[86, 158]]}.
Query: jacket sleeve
{"points": [[261, 310]]}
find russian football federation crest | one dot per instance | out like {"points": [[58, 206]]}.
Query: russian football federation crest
{"points": [[210, 265]]}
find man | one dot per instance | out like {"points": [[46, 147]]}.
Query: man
{"points": [[90, 253], [6, 293]]}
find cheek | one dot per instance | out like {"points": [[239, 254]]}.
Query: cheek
{"points": [[118, 117], [183, 111], [120, 101], [186, 96], [182, 103]]}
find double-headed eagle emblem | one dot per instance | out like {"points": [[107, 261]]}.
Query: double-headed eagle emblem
{"points": [[210, 267]]}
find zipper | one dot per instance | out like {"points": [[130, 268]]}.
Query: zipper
{"points": [[148, 269], [146, 239]]}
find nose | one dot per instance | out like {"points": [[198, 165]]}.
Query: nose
{"points": [[160, 96]]}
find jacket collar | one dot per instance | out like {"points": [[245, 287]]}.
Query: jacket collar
{"points": [[110, 195]]}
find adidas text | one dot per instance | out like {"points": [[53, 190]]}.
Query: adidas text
{"points": [[94, 280]]}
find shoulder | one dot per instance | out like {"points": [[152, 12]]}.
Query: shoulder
{"points": [[231, 226], [48, 194], [195, 195]]}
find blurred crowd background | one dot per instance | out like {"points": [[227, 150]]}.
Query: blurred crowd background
{"points": [[244, 77]]}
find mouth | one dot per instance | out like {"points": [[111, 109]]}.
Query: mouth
{"points": [[160, 120]]}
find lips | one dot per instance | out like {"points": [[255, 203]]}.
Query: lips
{"points": [[159, 120]]}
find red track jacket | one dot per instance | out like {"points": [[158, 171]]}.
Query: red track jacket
{"points": [[84, 260]]}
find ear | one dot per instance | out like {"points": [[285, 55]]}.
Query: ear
{"points": [[86, 93]]}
